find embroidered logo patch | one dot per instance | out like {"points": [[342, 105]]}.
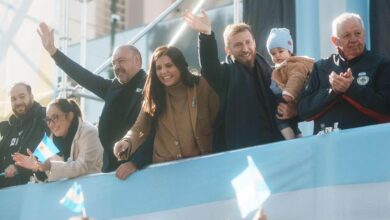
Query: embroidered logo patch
{"points": [[362, 79]]}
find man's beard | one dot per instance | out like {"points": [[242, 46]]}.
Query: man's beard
{"points": [[27, 108], [119, 74], [248, 62]]}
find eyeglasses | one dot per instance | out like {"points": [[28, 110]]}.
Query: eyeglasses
{"points": [[53, 119]]}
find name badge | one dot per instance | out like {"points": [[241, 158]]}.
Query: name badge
{"points": [[362, 79]]}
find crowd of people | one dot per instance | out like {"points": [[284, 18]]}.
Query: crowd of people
{"points": [[172, 113]]}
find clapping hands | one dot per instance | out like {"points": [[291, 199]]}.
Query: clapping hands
{"points": [[341, 82]]}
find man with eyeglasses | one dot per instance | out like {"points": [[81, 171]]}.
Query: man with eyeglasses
{"points": [[122, 96], [23, 130], [350, 88]]}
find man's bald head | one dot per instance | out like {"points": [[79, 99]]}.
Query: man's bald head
{"points": [[126, 62]]}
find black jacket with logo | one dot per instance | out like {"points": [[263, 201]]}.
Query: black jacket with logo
{"points": [[366, 102], [122, 103], [18, 134]]}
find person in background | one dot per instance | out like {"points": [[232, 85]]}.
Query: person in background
{"points": [[81, 152], [289, 77], [350, 88], [122, 98], [248, 107], [180, 106], [23, 131]]}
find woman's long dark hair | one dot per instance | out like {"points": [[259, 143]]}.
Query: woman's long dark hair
{"points": [[154, 93]]}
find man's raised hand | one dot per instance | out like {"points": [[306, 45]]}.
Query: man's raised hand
{"points": [[47, 37], [199, 23]]}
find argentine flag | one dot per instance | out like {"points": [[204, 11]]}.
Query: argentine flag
{"points": [[74, 199], [251, 189], [45, 149]]}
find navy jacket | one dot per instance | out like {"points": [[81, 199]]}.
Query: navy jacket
{"points": [[366, 102], [120, 111]]}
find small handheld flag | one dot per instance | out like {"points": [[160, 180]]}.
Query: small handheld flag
{"points": [[74, 199], [45, 149], [251, 189]]}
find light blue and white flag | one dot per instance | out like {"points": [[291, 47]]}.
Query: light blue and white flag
{"points": [[74, 199], [45, 149], [251, 189]]}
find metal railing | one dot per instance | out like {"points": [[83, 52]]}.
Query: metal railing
{"points": [[75, 91], [144, 31]]}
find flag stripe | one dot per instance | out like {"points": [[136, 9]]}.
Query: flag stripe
{"points": [[317, 165], [46, 149], [74, 198]]}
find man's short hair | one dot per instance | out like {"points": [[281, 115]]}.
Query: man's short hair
{"points": [[28, 87], [341, 19], [233, 29]]}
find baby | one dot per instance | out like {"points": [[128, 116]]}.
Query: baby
{"points": [[289, 77]]}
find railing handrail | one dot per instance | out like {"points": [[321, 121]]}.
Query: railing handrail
{"points": [[144, 31]]}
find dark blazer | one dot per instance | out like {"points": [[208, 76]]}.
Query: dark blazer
{"points": [[121, 108], [247, 113]]}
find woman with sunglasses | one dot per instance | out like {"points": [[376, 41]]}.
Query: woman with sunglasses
{"points": [[179, 107], [81, 152]]}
